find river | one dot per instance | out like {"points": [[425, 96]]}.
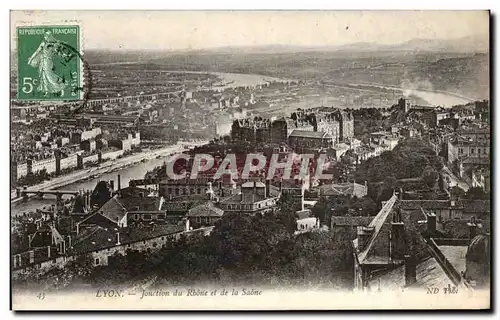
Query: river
{"points": [[135, 171], [138, 170], [433, 98]]}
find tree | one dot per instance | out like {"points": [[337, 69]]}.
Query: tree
{"points": [[456, 192], [101, 194], [430, 176], [287, 206], [322, 210], [477, 193]]}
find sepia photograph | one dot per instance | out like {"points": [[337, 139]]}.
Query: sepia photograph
{"points": [[250, 160]]}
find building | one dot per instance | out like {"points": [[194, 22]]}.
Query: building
{"points": [[338, 124], [391, 141], [186, 188], [256, 130], [97, 119], [474, 133], [204, 215], [450, 209], [481, 179], [350, 189], [282, 128], [100, 245], [62, 141], [307, 224], [48, 164], [451, 265], [339, 150], [404, 105], [90, 134], [88, 145], [433, 118], [348, 225], [255, 198], [461, 149], [295, 190], [346, 125], [115, 212], [380, 245], [478, 261], [327, 123], [301, 141]]}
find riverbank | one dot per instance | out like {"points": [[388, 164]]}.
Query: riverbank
{"points": [[433, 97], [110, 166]]}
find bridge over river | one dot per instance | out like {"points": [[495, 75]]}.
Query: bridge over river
{"points": [[41, 192]]}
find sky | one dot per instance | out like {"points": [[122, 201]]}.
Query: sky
{"points": [[191, 30]]}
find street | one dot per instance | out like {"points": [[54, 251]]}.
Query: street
{"points": [[454, 180]]}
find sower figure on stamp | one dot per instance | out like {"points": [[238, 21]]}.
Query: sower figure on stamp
{"points": [[43, 59]]}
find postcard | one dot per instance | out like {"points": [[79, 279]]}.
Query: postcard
{"points": [[250, 160]]}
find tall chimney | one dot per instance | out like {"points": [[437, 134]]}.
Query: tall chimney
{"points": [[410, 270], [472, 229], [397, 237], [86, 201], [431, 222], [119, 183], [364, 235], [254, 187], [268, 188], [118, 238]]}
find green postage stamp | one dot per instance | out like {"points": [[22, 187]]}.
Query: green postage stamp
{"points": [[49, 65]]}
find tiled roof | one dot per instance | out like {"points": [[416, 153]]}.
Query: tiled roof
{"points": [[308, 134], [198, 181], [274, 191], [350, 221], [113, 210], [251, 184], [479, 206], [290, 123], [429, 274], [455, 255], [98, 238], [341, 146], [484, 160], [206, 209], [180, 205], [116, 207], [244, 199], [134, 191], [348, 188], [424, 204], [291, 184], [144, 203], [377, 224]]}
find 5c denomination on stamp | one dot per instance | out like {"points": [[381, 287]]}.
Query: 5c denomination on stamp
{"points": [[49, 64]]}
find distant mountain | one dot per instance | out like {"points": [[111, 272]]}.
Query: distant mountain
{"points": [[463, 45], [469, 44]]}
